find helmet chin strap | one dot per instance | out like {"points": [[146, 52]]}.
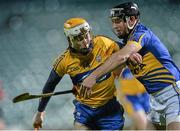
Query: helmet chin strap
{"points": [[127, 21]]}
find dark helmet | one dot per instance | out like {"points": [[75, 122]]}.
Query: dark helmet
{"points": [[125, 9]]}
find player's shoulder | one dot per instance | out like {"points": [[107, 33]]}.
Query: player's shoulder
{"points": [[61, 57], [103, 40], [141, 31]]}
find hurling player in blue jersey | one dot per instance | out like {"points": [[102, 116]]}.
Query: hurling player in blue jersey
{"points": [[85, 53], [158, 73]]}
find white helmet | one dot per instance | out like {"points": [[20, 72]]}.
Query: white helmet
{"points": [[74, 26], [76, 30]]}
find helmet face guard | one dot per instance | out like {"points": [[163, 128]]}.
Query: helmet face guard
{"points": [[125, 10], [77, 31], [77, 41], [117, 13]]}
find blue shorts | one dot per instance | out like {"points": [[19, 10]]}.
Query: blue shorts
{"points": [[139, 102], [106, 117]]}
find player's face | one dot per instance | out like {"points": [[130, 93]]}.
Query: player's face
{"points": [[81, 42], [119, 27]]}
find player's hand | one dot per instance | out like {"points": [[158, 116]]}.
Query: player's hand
{"points": [[85, 92], [86, 86], [136, 58], [38, 120], [79, 90], [75, 90]]}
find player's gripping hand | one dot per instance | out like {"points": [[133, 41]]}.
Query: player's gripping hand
{"points": [[85, 92], [87, 85], [136, 58], [38, 120], [81, 91]]}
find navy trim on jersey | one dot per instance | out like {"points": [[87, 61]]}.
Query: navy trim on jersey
{"points": [[155, 70], [77, 79], [157, 74], [49, 87]]}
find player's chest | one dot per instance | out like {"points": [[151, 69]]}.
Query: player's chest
{"points": [[89, 63]]}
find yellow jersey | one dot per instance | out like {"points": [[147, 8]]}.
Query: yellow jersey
{"points": [[79, 67], [129, 85]]}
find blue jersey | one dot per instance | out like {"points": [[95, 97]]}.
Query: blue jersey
{"points": [[157, 70]]}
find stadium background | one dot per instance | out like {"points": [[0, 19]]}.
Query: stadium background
{"points": [[31, 36]]}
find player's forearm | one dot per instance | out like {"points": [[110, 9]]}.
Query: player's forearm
{"points": [[116, 60], [110, 64], [49, 87]]}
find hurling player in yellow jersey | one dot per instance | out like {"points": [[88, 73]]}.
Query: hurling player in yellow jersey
{"points": [[134, 99], [158, 73], [85, 53]]}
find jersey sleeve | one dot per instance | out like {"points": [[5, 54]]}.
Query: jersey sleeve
{"points": [[110, 45], [49, 87], [115, 46], [59, 65]]}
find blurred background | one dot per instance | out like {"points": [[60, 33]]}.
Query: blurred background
{"points": [[31, 36]]}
